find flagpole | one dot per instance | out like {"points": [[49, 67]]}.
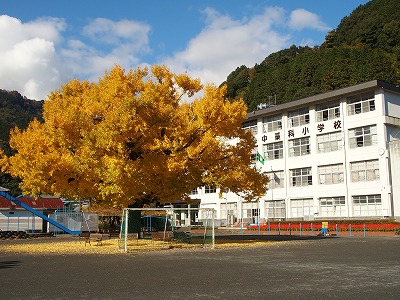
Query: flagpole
{"points": [[272, 187]]}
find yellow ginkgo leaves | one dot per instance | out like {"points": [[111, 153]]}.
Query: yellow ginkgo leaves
{"points": [[134, 136]]}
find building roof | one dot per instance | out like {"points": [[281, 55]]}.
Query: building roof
{"points": [[36, 203], [326, 97]]}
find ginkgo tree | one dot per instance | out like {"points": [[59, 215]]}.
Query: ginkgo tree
{"points": [[133, 137]]}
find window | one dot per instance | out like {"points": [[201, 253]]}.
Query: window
{"points": [[275, 209], [299, 147], [194, 192], [360, 104], [250, 125], [298, 118], [329, 111], [272, 123], [210, 189], [332, 207], [301, 177], [330, 174], [362, 136], [251, 212], [253, 156], [301, 208], [273, 151], [228, 211], [329, 142], [276, 179], [367, 170], [367, 205]]}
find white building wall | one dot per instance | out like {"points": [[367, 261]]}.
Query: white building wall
{"points": [[392, 105], [394, 150], [361, 153], [19, 220]]}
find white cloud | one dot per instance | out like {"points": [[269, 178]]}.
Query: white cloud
{"points": [[35, 61], [124, 42], [301, 19], [28, 59], [107, 31], [13, 30], [225, 44]]}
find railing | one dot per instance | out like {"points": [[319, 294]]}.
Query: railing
{"points": [[331, 228]]}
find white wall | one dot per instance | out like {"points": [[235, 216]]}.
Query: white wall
{"points": [[394, 150], [19, 220], [392, 106]]}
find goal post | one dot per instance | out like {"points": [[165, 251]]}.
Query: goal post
{"points": [[167, 227]]}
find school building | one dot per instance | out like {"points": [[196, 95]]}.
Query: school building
{"points": [[335, 155]]}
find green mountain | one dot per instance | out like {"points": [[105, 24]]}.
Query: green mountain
{"points": [[15, 110], [365, 46]]}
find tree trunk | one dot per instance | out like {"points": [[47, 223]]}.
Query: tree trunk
{"points": [[134, 219]]}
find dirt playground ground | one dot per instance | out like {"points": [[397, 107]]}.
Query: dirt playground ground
{"points": [[288, 268]]}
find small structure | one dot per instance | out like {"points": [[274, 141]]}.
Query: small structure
{"points": [[43, 214], [15, 218]]}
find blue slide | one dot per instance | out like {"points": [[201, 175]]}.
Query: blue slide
{"points": [[39, 214]]}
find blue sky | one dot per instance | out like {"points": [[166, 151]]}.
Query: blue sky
{"points": [[45, 43]]}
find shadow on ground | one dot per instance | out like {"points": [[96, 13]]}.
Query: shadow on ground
{"points": [[8, 264]]}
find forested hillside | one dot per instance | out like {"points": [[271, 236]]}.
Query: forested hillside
{"points": [[15, 110], [365, 46]]}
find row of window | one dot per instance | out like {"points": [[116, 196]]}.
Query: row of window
{"points": [[360, 171], [329, 142], [363, 205], [324, 112], [207, 190]]}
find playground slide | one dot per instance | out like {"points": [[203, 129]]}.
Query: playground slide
{"points": [[39, 214]]}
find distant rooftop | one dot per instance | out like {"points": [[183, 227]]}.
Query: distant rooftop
{"points": [[37, 203]]}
